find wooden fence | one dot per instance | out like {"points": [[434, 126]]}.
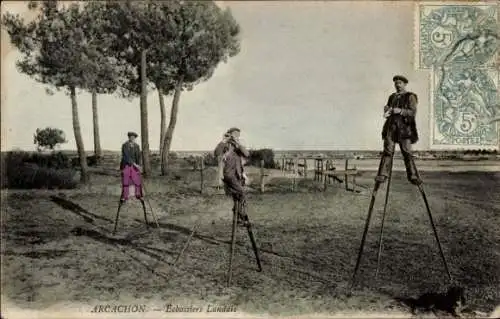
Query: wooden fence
{"points": [[324, 170], [295, 168]]}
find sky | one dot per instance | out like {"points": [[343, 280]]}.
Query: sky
{"points": [[310, 75]]}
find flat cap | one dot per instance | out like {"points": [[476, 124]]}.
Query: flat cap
{"points": [[399, 77], [134, 134], [233, 129]]}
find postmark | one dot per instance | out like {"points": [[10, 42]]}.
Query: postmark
{"points": [[456, 34], [464, 101]]}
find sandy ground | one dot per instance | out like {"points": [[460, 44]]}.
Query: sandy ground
{"points": [[58, 250]]}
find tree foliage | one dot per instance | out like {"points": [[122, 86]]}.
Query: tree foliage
{"points": [[64, 49], [98, 46], [201, 36], [185, 39], [48, 138]]}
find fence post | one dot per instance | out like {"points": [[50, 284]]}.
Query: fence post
{"points": [[220, 166], [328, 167], [295, 172], [346, 176], [322, 170], [262, 184], [305, 167], [354, 181], [316, 169], [202, 166]]}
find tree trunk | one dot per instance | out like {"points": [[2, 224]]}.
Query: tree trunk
{"points": [[84, 178], [167, 141], [95, 119], [163, 120], [146, 163]]}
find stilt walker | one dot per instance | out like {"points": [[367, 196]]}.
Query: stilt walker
{"points": [[399, 128], [131, 175], [233, 154]]}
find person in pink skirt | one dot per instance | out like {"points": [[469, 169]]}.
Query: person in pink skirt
{"points": [[130, 167]]}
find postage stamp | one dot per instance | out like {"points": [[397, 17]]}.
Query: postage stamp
{"points": [[448, 33], [465, 100]]}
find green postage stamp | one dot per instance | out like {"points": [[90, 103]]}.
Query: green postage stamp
{"points": [[457, 34], [464, 101], [458, 43]]}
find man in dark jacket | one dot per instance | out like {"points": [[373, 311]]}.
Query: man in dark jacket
{"points": [[399, 127], [233, 154], [130, 167]]}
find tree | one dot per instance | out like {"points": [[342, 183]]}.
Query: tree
{"points": [[162, 16], [48, 138], [107, 68], [133, 36], [183, 41], [163, 117], [201, 35], [58, 51], [95, 125]]}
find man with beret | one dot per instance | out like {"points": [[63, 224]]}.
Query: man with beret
{"points": [[130, 167], [233, 154], [399, 127]]}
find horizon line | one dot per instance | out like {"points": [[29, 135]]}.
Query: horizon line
{"points": [[275, 150]]}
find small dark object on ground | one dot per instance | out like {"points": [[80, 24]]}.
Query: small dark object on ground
{"points": [[452, 302]]}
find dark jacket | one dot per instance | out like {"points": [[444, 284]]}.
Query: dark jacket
{"points": [[232, 157], [131, 154], [402, 126]]}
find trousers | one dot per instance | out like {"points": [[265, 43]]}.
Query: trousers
{"points": [[131, 176], [406, 151], [233, 187]]}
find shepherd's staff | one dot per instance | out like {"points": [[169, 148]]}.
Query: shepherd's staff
{"points": [[193, 230], [150, 207]]}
